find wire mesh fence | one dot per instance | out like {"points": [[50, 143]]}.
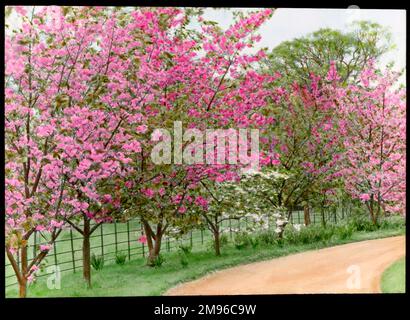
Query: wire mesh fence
{"points": [[113, 238]]}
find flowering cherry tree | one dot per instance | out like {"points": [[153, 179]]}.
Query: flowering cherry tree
{"points": [[187, 90], [374, 160], [62, 72], [305, 148], [35, 184]]}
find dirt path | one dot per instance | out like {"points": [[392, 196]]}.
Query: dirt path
{"points": [[331, 270]]}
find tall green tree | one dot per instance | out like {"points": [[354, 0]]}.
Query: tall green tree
{"points": [[350, 50], [307, 65]]}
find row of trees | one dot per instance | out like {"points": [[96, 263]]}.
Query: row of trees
{"points": [[86, 88]]}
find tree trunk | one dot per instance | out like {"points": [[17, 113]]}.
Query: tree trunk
{"points": [[153, 242], [323, 217], [23, 288], [86, 253], [374, 218], [373, 214], [306, 214], [289, 216], [217, 242], [379, 206], [24, 271], [370, 207], [154, 250]]}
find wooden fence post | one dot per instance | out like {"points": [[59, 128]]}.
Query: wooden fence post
{"points": [[102, 240], [115, 237], [143, 245], [35, 244], [72, 248], [18, 258], [55, 254], [129, 244]]}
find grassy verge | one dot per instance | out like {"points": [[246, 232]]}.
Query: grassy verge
{"points": [[119, 237], [394, 278], [136, 279]]}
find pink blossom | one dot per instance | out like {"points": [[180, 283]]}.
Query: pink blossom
{"points": [[56, 224], [44, 131], [10, 222], [148, 192], [332, 74], [142, 239], [129, 184], [275, 162], [134, 146], [40, 228], [45, 247], [34, 268], [21, 10], [364, 197], [142, 128], [31, 278], [156, 135], [201, 201], [283, 148]]}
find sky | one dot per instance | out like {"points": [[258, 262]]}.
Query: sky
{"points": [[287, 24]]}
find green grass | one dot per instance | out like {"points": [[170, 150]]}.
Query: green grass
{"points": [[394, 277], [104, 237], [67, 249], [136, 279]]}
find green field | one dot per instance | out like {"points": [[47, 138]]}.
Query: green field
{"points": [[394, 278]]}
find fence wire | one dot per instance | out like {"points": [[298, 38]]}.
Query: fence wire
{"points": [[112, 238]]}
